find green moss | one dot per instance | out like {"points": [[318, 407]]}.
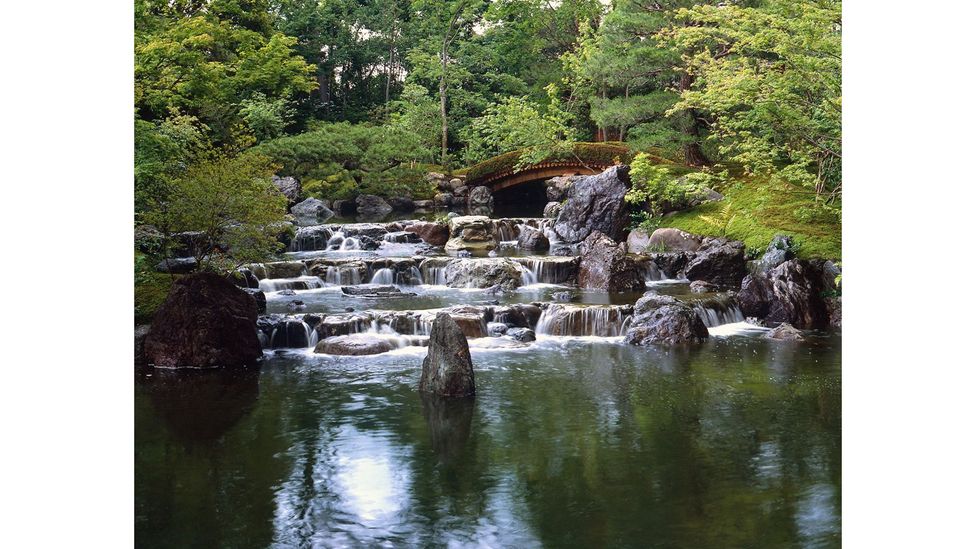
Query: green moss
{"points": [[151, 290], [597, 153], [755, 211]]}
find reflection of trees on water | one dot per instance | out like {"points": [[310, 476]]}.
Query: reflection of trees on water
{"points": [[720, 445]]}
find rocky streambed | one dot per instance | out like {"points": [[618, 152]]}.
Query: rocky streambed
{"points": [[629, 387]]}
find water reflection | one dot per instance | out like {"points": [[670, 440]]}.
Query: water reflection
{"points": [[200, 406], [449, 425], [580, 442]]}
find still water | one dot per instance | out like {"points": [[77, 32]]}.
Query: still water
{"points": [[582, 442]]}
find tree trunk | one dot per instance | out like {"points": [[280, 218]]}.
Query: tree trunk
{"points": [[443, 93], [694, 156]]}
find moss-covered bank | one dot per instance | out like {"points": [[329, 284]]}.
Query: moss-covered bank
{"points": [[754, 211]]}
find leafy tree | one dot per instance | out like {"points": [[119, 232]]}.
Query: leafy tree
{"points": [[204, 66], [770, 78], [265, 117], [516, 123], [656, 190], [232, 202]]}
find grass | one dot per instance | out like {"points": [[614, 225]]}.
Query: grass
{"points": [[755, 211]]}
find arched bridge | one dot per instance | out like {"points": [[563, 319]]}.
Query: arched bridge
{"points": [[586, 159]]}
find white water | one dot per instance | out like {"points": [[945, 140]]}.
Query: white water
{"points": [[569, 320], [299, 283]]}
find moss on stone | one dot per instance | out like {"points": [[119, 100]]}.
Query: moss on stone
{"points": [[754, 211], [151, 290]]}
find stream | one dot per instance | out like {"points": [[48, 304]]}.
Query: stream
{"points": [[575, 438]]}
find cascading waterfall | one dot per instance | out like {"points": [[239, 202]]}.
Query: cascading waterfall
{"points": [[342, 276], [567, 320], [383, 276], [299, 283], [718, 310], [311, 239], [548, 270], [435, 275], [528, 277], [651, 272], [293, 334]]}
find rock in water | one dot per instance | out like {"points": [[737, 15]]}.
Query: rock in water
{"points": [[669, 325], [480, 198], [471, 233], [205, 321], [596, 204], [290, 187], [719, 261], [604, 266], [354, 345], [311, 211], [447, 368], [792, 292], [435, 234], [532, 239], [372, 206], [785, 332]]}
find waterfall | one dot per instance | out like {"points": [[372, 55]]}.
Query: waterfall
{"points": [[293, 334], [349, 243], [566, 320], [435, 276], [718, 310], [310, 239], [550, 270], [342, 275], [528, 277], [299, 283], [651, 272], [410, 277], [383, 276]]}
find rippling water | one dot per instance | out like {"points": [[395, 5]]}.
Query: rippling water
{"points": [[570, 442]]}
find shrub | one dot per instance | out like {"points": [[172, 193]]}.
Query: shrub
{"points": [[656, 189]]}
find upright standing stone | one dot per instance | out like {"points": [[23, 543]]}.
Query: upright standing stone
{"points": [[447, 368], [596, 203]]}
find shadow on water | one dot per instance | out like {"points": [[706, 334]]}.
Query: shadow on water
{"points": [[200, 406]]}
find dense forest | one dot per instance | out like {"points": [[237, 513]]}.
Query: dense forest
{"points": [[367, 96]]}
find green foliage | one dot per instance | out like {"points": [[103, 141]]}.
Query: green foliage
{"points": [[516, 123], [151, 289], [205, 66], [230, 200], [656, 189], [265, 117], [755, 210], [770, 78], [162, 152], [604, 154], [375, 159]]}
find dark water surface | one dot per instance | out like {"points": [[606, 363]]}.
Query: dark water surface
{"points": [[570, 442]]}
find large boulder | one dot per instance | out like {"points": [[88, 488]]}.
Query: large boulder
{"points": [[651, 301], [596, 204], [372, 206], [793, 292], [779, 251], [447, 369], [719, 261], [605, 266], [290, 187], [311, 211], [533, 239], [637, 241], [552, 209], [668, 239], [480, 198], [667, 325], [484, 273], [443, 200], [558, 187], [401, 203], [435, 234], [471, 233], [354, 345], [205, 321]]}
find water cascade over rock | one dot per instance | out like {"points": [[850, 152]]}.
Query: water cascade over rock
{"points": [[573, 320], [604, 266]]}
